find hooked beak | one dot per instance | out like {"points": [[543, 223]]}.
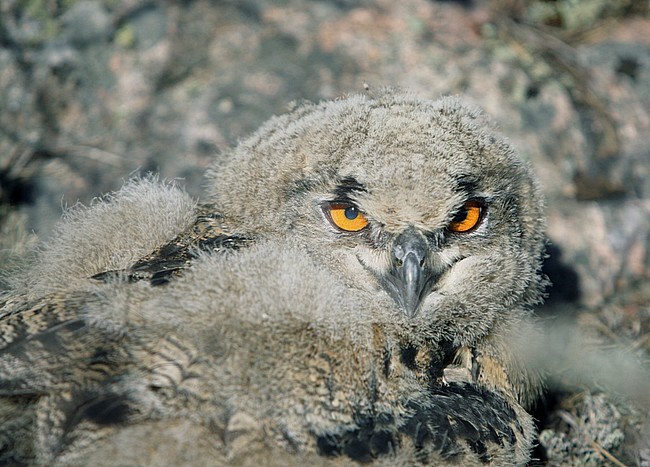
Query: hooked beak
{"points": [[409, 279]]}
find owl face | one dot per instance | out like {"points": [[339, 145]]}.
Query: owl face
{"points": [[409, 199]]}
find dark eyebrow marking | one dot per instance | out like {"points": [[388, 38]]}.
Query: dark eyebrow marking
{"points": [[347, 187], [466, 184]]}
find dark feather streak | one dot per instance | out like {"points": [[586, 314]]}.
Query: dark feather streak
{"points": [[346, 188]]}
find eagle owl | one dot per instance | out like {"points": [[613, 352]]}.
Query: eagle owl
{"points": [[351, 288]]}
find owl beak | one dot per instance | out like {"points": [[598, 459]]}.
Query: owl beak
{"points": [[408, 281]]}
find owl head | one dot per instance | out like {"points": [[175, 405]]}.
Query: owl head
{"points": [[419, 203]]}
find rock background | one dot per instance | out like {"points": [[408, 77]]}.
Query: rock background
{"points": [[92, 92]]}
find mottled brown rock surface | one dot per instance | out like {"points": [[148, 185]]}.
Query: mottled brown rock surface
{"points": [[94, 91]]}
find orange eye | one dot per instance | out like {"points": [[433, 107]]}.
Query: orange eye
{"points": [[346, 217], [469, 217]]}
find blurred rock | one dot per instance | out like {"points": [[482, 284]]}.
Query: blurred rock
{"points": [[86, 22]]}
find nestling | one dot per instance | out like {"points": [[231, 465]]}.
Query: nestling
{"points": [[350, 288]]}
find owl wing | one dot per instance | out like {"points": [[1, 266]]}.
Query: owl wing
{"points": [[452, 423], [207, 234], [69, 378]]}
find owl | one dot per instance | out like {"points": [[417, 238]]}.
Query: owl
{"points": [[353, 287]]}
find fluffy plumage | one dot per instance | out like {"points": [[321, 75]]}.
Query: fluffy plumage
{"points": [[251, 329]]}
